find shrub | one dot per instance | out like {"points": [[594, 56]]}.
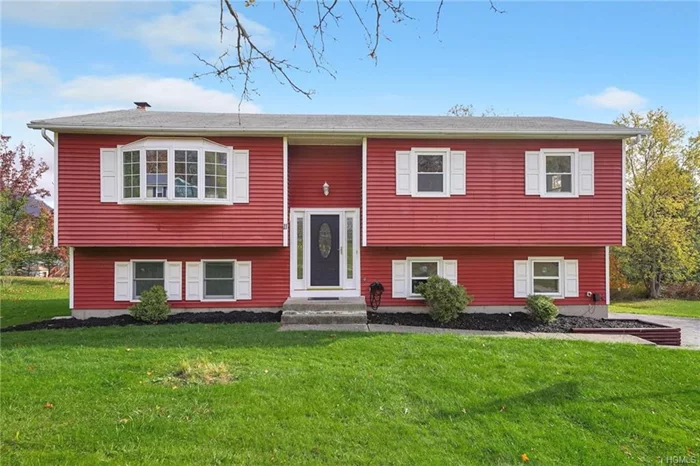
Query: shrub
{"points": [[686, 290], [153, 307], [444, 299], [631, 292], [542, 308]]}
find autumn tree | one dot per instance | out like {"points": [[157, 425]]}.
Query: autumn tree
{"points": [[20, 232], [663, 203]]}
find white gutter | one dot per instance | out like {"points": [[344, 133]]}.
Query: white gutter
{"points": [[45, 136]]}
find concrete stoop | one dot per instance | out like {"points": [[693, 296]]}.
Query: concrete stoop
{"points": [[343, 311]]}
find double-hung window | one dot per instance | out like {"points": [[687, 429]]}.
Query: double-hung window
{"points": [[219, 280], [546, 277], [431, 166], [559, 169], [421, 271], [146, 275]]}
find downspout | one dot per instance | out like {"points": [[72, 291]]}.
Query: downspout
{"points": [[45, 136]]}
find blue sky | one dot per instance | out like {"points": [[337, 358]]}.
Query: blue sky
{"points": [[584, 60]]}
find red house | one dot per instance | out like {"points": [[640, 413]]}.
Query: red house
{"points": [[241, 212]]}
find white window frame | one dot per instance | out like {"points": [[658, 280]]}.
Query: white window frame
{"points": [[573, 154], [132, 296], [203, 266], [560, 277], [409, 273], [201, 145], [444, 152]]}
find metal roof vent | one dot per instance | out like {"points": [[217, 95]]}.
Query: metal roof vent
{"points": [[142, 105]]}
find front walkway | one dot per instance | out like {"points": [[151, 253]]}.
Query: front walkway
{"points": [[690, 327]]}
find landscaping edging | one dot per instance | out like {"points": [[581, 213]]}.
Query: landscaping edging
{"points": [[666, 336]]}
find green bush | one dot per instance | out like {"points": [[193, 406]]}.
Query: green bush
{"points": [[445, 300], [153, 307], [542, 308]]}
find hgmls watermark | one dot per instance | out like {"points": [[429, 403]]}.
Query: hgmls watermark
{"points": [[679, 459]]}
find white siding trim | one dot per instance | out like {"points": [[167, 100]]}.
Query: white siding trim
{"points": [[571, 281], [458, 172], [624, 193], [71, 279], [521, 278], [55, 190], [586, 189], [285, 192], [109, 175], [404, 173], [122, 276], [399, 278], [173, 280], [364, 192], [241, 176], [193, 281], [607, 275], [532, 173], [243, 280]]}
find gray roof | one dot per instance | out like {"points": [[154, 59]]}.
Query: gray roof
{"points": [[144, 121]]}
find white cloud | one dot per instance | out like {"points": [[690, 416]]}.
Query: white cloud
{"points": [[614, 98], [88, 14], [21, 67], [162, 93]]}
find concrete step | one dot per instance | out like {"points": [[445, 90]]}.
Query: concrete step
{"points": [[340, 304], [335, 317]]}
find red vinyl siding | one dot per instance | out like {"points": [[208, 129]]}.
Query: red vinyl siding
{"points": [[495, 210], [311, 166], [85, 221], [486, 273], [93, 274]]}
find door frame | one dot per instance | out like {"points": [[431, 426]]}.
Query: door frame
{"points": [[301, 287]]}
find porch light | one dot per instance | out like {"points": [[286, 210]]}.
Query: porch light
{"points": [[326, 188]]}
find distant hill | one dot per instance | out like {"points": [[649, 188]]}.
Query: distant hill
{"points": [[34, 206]]}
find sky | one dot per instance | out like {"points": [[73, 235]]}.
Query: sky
{"points": [[583, 60]]}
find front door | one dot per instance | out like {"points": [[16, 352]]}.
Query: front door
{"points": [[325, 250]]}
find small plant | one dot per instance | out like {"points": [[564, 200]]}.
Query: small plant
{"points": [[444, 299], [542, 308], [153, 307]]}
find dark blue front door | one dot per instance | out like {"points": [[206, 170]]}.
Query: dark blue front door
{"points": [[325, 254]]}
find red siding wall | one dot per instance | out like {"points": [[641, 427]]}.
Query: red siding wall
{"points": [[495, 210], [93, 274], [311, 166], [486, 273], [84, 220]]}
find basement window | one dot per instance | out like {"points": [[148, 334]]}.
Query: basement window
{"points": [[219, 280], [147, 274], [546, 277]]}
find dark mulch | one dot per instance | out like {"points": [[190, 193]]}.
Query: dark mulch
{"points": [[516, 322], [237, 317]]}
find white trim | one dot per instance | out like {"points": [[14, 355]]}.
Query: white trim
{"points": [[71, 279], [201, 145], [531, 276], [202, 297], [573, 154], [409, 273], [442, 151], [364, 192], [624, 193], [285, 192], [607, 274], [55, 189], [303, 288]]}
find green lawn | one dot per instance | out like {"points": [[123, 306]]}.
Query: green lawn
{"points": [[666, 307], [323, 398], [24, 299]]}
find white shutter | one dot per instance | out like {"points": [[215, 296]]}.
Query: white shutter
{"points": [[108, 175], [458, 172], [399, 279], [532, 173], [173, 280], [571, 278], [240, 176], [403, 173], [520, 279], [122, 281], [244, 274], [193, 284], [449, 271], [586, 181]]}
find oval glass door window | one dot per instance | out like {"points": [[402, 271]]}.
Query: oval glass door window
{"points": [[324, 240]]}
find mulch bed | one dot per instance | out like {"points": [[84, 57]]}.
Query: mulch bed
{"points": [[237, 317], [516, 322]]}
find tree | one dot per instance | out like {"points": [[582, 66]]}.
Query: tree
{"points": [[461, 110], [663, 203], [20, 232], [312, 28]]}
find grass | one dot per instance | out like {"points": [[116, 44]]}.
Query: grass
{"points": [[259, 396], [25, 299], [665, 307]]}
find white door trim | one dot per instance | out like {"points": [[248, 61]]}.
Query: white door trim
{"points": [[301, 287]]}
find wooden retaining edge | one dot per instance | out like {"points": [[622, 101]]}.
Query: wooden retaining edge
{"points": [[666, 336]]}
